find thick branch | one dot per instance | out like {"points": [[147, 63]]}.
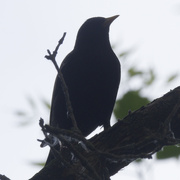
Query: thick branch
{"points": [[143, 132], [2, 177], [138, 135]]}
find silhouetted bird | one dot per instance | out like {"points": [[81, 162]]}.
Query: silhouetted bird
{"points": [[92, 74]]}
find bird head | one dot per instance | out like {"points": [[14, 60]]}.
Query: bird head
{"points": [[94, 31]]}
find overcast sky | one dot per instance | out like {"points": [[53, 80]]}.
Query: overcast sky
{"points": [[29, 28]]}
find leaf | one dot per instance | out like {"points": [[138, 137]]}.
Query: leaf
{"points": [[172, 78], [46, 103], [151, 78], [38, 163], [123, 54], [132, 100], [168, 152], [27, 117], [31, 102], [20, 113], [133, 72]]}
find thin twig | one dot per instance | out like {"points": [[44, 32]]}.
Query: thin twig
{"points": [[82, 159], [52, 57]]}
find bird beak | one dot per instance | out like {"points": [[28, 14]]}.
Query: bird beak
{"points": [[109, 20]]}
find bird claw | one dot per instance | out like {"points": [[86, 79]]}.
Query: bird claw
{"points": [[50, 140]]}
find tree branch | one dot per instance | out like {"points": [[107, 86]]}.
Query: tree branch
{"points": [[138, 135], [52, 57], [2, 177]]}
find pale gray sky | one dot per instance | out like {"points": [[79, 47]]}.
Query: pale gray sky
{"points": [[28, 28]]}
